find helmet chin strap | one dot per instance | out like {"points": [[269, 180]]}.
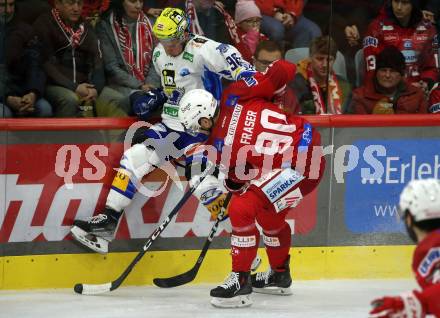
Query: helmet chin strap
{"points": [[410, 228], [411, 233]]}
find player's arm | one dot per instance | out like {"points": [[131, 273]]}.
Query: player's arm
{"points": [[430, 299], [226, 60], [415, 304], [371, 45]]}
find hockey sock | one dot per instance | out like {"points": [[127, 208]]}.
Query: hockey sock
{"points": [[278, 246], [244, 245]]}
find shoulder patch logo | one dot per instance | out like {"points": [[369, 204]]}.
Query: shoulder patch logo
{"points": [[156, 55], [430, 260], [188, 56], [222, 48], [200, 40]]}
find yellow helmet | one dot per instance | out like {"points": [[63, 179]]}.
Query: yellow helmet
{"points": [[171, 24]]}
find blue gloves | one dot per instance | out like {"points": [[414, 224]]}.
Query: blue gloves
{"points": [[146, 103]]}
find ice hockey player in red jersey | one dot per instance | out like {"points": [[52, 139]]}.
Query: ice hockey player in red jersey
{"points": [[270, 160], [420, 205]]}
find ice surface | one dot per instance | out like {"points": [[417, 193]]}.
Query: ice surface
{"points": [[325, 298]]}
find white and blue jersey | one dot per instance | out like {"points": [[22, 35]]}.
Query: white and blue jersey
{"points": [[202, 64]]}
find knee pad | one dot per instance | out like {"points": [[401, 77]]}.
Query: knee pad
{"points": [[140, 160], [135, 164]]}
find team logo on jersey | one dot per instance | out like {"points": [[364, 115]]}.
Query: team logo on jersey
{"points": [[407, 44], [168, 78], [232, 100], [306, 138], [434, 108], [370, 41], [222, 48], [188, 56], [431, 259], [421, 28], [184, 72]]}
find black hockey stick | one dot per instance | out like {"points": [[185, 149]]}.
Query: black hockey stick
{"points": [[190, 275], [93, 289]]}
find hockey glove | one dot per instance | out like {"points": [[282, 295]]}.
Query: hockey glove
{"points": [[144, 104], [215, 205], [210, 194], [407, 305], [233, 182]]}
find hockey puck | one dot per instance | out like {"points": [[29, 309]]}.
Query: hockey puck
{"points": [[78, 288]]}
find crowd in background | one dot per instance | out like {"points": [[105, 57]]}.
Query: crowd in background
{"points": [[83, 58]]}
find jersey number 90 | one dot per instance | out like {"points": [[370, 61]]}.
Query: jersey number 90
{"points": [[269, 143]]}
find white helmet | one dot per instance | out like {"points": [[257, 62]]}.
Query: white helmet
{"points": [[422, 199], [194, 105]]}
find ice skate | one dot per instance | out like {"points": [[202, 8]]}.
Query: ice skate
{"points": [[273, 282], [235, 292], [97, 231]]}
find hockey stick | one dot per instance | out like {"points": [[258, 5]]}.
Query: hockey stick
{"points": [[190, 275], [93, 289]]}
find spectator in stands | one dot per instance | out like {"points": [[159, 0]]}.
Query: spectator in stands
{"points": [[388, 92], [22, 79], [248, 20], [283, 22], [127, 44], [72, 59], [318, 89], [209, 18], [265, 54], [346, 29], [434, 100], [91, 9], [402, 25]]}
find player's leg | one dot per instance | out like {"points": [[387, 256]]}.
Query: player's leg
{"points": [[281, 190], [277, 240], [278, 190], [139, 160], [236, 290], [97, 231]]}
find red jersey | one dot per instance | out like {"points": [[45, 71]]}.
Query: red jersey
{"points": [[417, 43], [257, 132], [434, 100], [426, 266], [253, 129]]}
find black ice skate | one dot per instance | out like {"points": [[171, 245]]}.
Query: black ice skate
{"points": [[234, 292], [273, 282], [97, 231]]}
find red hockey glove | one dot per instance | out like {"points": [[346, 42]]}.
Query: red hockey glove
{"points": [[406, 305]]}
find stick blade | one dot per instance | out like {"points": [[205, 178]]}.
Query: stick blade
{"points": [[175, 281], [92, 289]]}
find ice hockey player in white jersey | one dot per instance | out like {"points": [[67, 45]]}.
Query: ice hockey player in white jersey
{"points": [[184, 62]]}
